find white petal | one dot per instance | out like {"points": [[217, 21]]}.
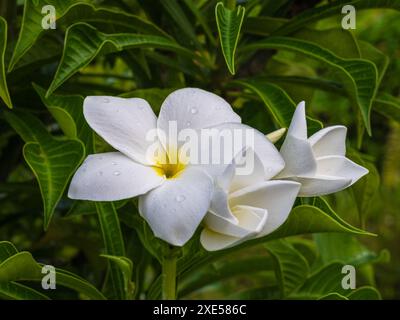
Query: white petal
{"points": [[339, 166], [243, 137], [329, 141], [255, 176], [112, 176], [249, 220], [299, 158], [277, 197], [321, 185], [175, 209], [212, 241], [123, 123], [196, 109], [298, 125], [219, 204], [220, 233]]}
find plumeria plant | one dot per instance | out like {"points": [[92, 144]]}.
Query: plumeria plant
{"points": [[189, 149]]}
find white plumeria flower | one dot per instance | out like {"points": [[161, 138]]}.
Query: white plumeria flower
{"points": [[245, 207], [174, 197], [318, 162]]}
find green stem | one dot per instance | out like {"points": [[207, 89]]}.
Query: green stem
{"points": [[169, 276]]}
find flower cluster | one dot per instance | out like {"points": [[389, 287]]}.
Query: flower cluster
{"points": [[176, 195]]}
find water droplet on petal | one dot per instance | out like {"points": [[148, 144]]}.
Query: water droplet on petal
{"points": [[106, 100], [269, 169], [188, 124], [180, 198], [116, 173], [114, 163], [194, 111]]}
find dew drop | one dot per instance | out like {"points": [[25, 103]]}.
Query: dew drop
{"points": [[114, 163], [269, 169], [106, 100], [180, 198], [194, 111], [188, 124], [116, 173]]}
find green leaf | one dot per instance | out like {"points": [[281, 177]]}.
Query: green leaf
{"points": [[84, 42], [53, 161], [365, 293], [4, 94], [369, 52], [325, 281], [360, 76], [307, 17], [339, 41], [344, 248], [262, 26], [221, 271], [7, 249], [277, 102], [201, 19], [326, 284], [126, 267], [365, 190], [69, 12], [303, 219], [333, 296], [113, 243], [173, 8], [22, 267], [17, 291], [68, 111], [229, 24], [388, 106], [291, 267]]}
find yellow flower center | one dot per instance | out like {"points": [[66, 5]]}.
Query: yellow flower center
{"points": [[169, 163]]}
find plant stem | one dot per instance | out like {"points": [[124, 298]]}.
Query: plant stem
{"points": [[169, 276]]}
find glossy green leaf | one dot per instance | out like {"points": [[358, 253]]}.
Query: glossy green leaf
{"points": [[173, 8], [365, 293], [16, 291], [125, 265], [369, 52], [201, 19], [113, 244], [224, 270], [53, 161], [360, 76], [325, 281], [4, 94], [262, 26], [69, 12], [277, 102], [229, 25], [346, 249], [7, 249], [22, 267], [291, 267], [314, 14], [79, 51], [68, 111], [388, 106]]}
